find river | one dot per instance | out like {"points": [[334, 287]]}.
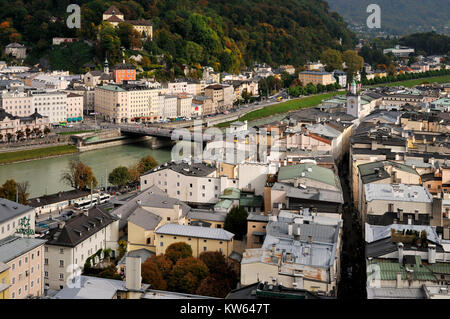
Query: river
{"points": [[44, 175]]}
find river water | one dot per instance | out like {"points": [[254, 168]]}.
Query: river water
{"points": [[44, 175]]}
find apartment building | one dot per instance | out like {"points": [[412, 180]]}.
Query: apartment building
{"points": [[299, 251], [11, 214], [205, 103], [51, 104], [75, 106], [70, 244], [124, 72], [24, 257], [201, 239], [126, 103], [407, 202], [222, 96], [184, 105], [316, 77], [188, 182], [168, 106]]}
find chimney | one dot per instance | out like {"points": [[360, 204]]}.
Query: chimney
{"points": [[399, 280], [400, 253], [273, 248], [431, 254], [133, 273], [139, 202], [290, 226]]}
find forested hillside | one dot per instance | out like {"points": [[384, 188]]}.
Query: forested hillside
{"points": [[228, 35], [399, 16]]}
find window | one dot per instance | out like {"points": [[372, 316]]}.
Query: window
{"points": [[13, 266], [204, 240], [190, 185], [204, 248], [20, 291], [61, 250], [46, 261], [61, 276], [161, 244], [45, 274], [148, 241], [20, 263], [61, 263], [26, 260]]}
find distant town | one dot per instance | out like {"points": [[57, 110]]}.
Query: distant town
{"points": [[328, 180]]}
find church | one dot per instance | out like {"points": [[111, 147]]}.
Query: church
{"points": [[114, 16]]}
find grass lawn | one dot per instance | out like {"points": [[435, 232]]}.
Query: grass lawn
{"points": [[411, 83], [284, 107], [77, 132], [36, 153]]}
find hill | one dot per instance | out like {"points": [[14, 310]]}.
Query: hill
{"points": [[398, 17], [228, 35]]}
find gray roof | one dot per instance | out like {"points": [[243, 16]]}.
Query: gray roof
{"points": [[151, 197], [206, 215], [145, 219], [195, 231], [311, 193], [395, 293], [12, 247], [143, 253], [397, 192], [375, 233], [9, 209], [94, 288], [257, 218]]}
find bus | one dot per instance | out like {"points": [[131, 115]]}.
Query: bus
{"points": [[104, 198], [85, 204]]}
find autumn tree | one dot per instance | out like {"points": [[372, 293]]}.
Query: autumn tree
{"points": [[236, 222], [152, 275], [164, 264], [332, 59], [187, 274], [178, 251], [79, 176], [353, 62], [119, 176], [134, 173], [146, 163], [221, 275]]}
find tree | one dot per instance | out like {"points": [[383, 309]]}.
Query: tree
{"points": [[146, 163], [109, 272], [223, 273], [353, 62], [9, 137], [79, 176], [46, 131], [332, 59], [164, 264], [9, 190], [22, 190], [213, 286], [152, 275], [187, 274], [28, 132], [236, 222], [178, 251], [19, 134], [134, 173], [119, 176]]}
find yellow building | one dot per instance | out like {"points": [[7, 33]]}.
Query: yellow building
{"points": [[197, 216], [316, 77], [4, 281], [201, 239]]}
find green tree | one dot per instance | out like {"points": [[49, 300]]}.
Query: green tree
{"points": [[178, 251], [353, 62], [9, 190], [236, 222], [119, 176], [332, 60]]}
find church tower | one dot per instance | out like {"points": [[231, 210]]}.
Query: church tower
{"points": [[106, 66], [354, 101]]}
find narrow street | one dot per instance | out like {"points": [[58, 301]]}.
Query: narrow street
{"points": [[353, 275]]}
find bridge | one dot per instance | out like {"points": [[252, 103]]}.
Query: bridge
{"points": [[165, 133]]}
